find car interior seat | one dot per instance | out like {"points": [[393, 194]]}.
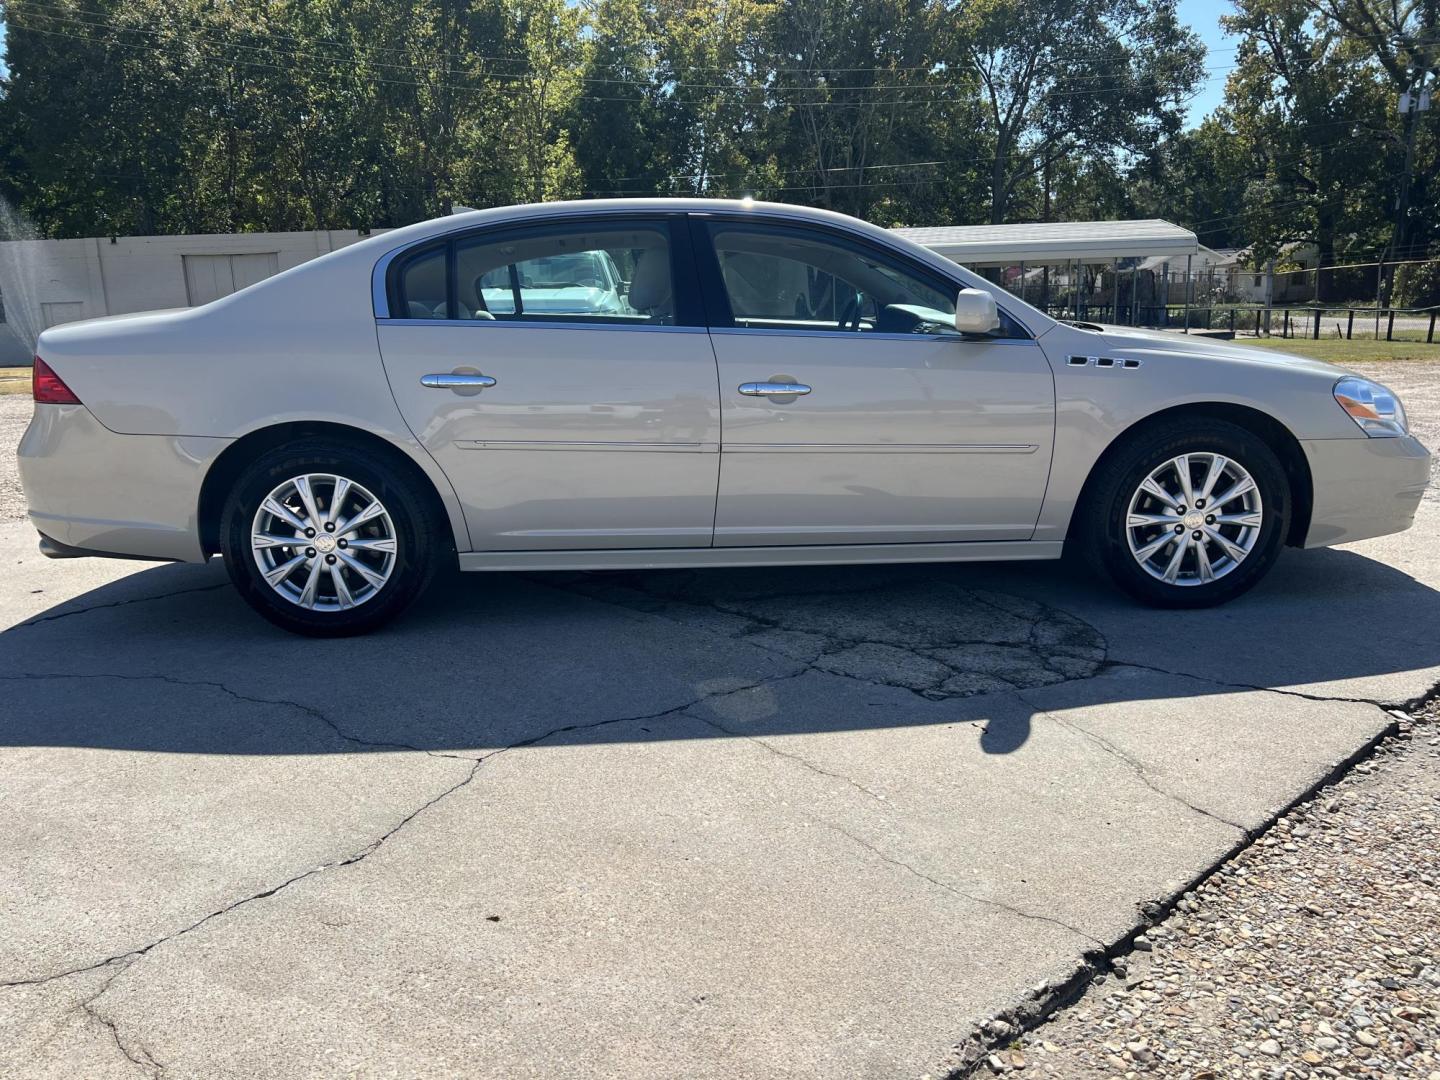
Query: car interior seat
{"points": [[650, 286]]}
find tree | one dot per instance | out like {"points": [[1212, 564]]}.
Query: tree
{"points": [[718, 129], [540, 88], [1307, 103], [1074, 78], [618, 111], [1403, 38], [844, 76]]}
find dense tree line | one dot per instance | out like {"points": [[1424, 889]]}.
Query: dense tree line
{"points": [[149, 116]]}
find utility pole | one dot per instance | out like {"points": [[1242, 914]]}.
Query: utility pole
{"points": [[1412, 103]]}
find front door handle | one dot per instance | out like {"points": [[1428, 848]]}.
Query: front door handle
{"points": [[773, 389], [456, 381]]}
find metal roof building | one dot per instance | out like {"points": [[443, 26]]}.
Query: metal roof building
{"points": [[1056, 242]]}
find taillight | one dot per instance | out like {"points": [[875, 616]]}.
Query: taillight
{"points": [[48, 388]]}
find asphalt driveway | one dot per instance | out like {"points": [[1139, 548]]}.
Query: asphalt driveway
{"points": [[713, 824]]}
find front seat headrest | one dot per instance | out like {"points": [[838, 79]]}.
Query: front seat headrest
{"points": [[650, 285]]}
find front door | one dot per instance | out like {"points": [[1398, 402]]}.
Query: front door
{"points": [[559, 375], [852, 414]]}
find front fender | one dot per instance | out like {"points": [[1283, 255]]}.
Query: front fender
{"points": [[1096, 404]]}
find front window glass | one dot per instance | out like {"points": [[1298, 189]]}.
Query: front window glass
{"points": [[791, 281]]}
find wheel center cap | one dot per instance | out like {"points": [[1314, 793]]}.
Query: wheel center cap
{"points": [[1192, 520], [324, 543]]}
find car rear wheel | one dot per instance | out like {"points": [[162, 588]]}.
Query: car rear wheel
{"points": [[1190, 515], [327, 540]]}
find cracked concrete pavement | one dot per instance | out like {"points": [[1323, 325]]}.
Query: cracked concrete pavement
{"points": [[718, 824]]}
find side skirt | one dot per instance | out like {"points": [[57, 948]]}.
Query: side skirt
{"points": [[832, 555]]}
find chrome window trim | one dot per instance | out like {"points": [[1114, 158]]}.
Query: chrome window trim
{"points": [[959, 276], [490, 324], [958, 339], [379, 301]]}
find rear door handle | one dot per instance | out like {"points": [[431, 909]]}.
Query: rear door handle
{"points": [[773, 389], [453, 381]]}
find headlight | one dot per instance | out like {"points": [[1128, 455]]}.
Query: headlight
{"points": [[1377, 410]]}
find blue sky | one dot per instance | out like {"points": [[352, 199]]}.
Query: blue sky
{"points": [[1203, 15]]}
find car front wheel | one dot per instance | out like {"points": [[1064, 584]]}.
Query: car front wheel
{"points": [[327, 540], [1191, 515]]}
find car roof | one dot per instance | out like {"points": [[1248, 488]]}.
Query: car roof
{"points": [[587, 207]]}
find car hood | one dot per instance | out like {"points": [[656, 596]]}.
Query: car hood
{"points": [[1123, 341]]}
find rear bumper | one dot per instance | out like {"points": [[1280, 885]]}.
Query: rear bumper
{"points": [[1364, 487], [94, 492]]}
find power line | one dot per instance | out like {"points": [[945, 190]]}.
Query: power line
{"points": [[767, 90], [1114, 58]]}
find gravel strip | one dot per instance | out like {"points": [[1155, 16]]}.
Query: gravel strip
{"points": [[14, 416], [1314, 953]]}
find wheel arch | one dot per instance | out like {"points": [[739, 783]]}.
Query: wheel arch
{"points": [[1260, 424], [225, 470]]}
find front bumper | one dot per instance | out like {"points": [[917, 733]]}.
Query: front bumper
{"points": [[1364, 487], [130, 495]]}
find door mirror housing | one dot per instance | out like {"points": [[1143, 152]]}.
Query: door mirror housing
{"points": [[975, 312]]}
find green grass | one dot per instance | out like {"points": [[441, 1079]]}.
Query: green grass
{"points": [[14, 380], [1340, 351]]}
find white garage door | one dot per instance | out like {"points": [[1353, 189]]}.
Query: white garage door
{"points": [[209, 277]]}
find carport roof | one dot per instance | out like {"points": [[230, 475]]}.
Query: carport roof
{"points": [[1055, 241]]}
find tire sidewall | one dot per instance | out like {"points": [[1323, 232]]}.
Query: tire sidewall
{"points": [[1136, 461], [414, 557]]}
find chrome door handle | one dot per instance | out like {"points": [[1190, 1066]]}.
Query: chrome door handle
{"points": [[773, 389], [453, 381]]}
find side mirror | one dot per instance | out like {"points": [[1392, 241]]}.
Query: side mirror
{"points": [[975, 312]]}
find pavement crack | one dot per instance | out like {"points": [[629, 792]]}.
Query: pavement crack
{"points": [[1117, 664], [130, 957], [357, 856], [673, 710], [1134, 764], [797, 758], [231, 692], [118, 603], [984, 901], [925, 672], [139, 1055]]}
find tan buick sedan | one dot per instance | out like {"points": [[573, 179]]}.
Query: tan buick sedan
{"points": [[665, 383]]}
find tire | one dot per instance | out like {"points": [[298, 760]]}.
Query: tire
{"points": [[380, 565], [1235, 552]]}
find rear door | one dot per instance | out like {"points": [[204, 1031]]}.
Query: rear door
{"points": [[852, 414], [561, 375]]}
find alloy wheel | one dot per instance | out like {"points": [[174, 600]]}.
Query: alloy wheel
{"points": [[1194, 519], [323, 542]]}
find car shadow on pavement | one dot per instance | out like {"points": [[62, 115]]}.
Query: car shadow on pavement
{"points": [[169, 659]]}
